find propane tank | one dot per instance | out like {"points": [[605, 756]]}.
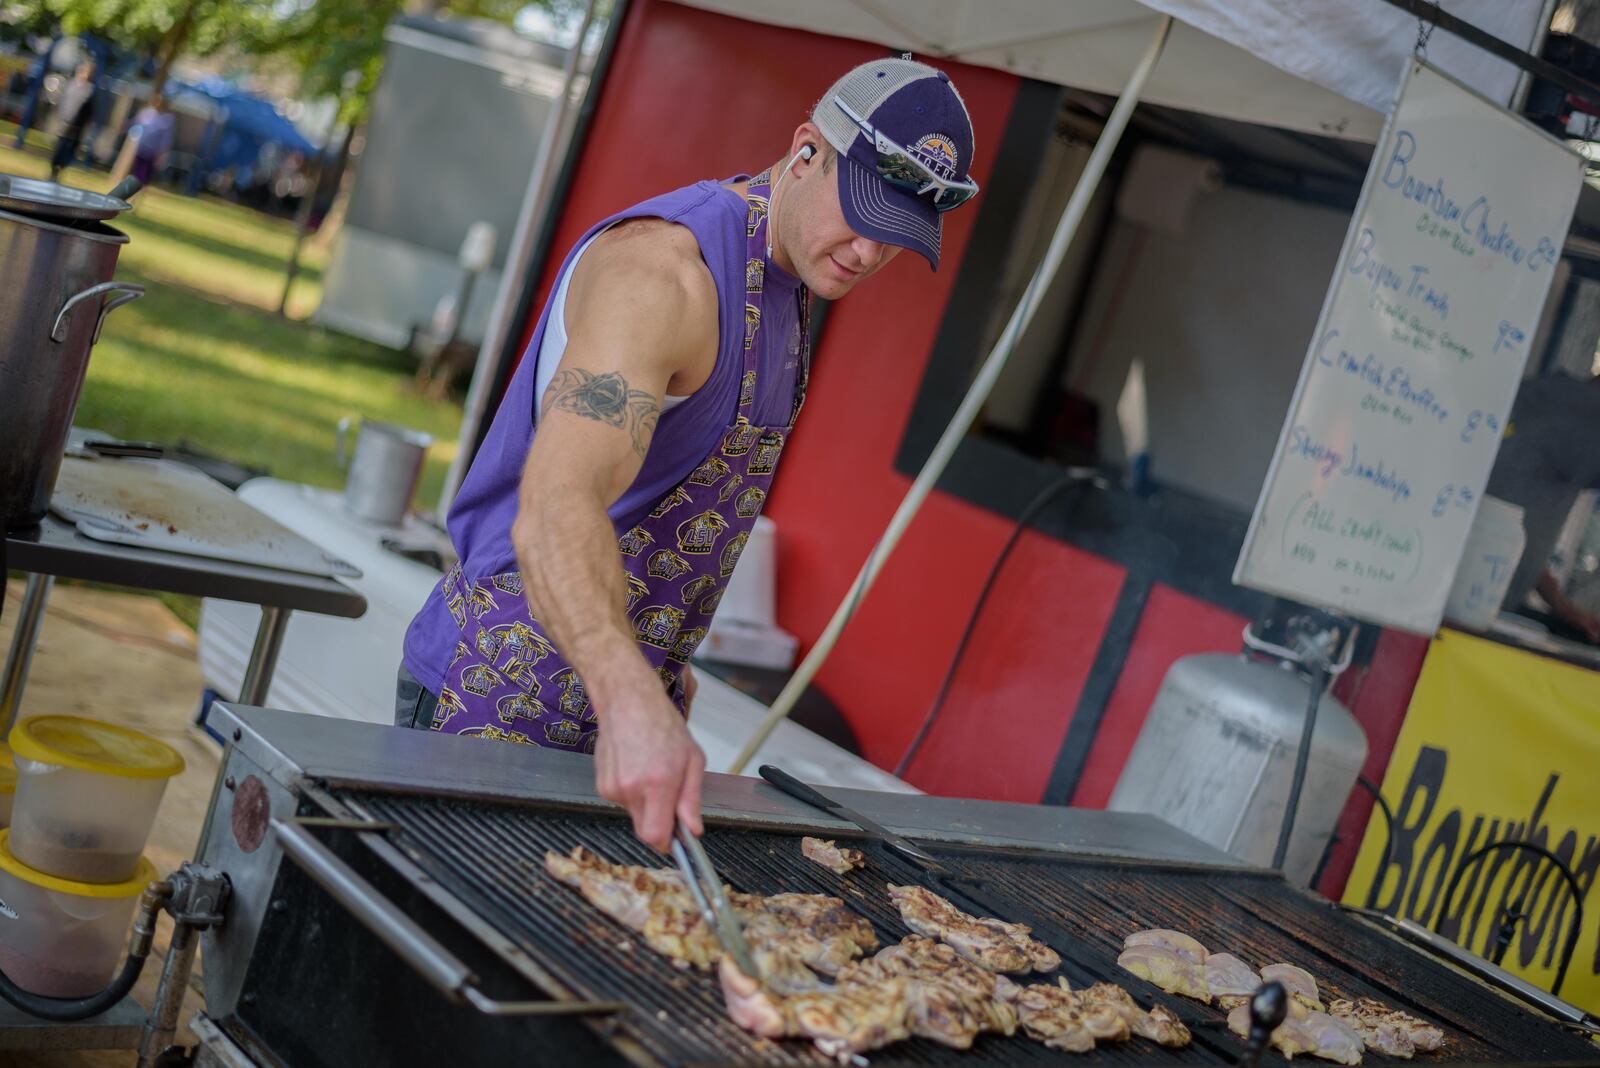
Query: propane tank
{"points": [[1216, 758]]}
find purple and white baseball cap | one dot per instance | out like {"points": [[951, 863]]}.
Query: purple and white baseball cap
{"points": [[917, 106]]}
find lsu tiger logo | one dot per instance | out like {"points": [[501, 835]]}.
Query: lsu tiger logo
{"points": [[757, 212], [519, 706], [709, 473], [755, 272], [480, 679], [669, 502], [564, 733], [510, 582], [697, 536], [747, 389], [449, 704], [752, 323], [666, 564], [738, 441], [634, 541], [749, 503], [658, 625], [489, 643], [523, 674], [495, 734], [697, 588], [574, 700], [765, 458], [710, 604], [730, 553], [462, 649], [729, 488], [480, 601], [636, 590], [684, 645], [523, 642]]}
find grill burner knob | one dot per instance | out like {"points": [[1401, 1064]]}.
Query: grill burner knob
{"points": [[1267, 1010]]}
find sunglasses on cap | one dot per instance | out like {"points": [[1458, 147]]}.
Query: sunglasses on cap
{"points": [[901, 169]]}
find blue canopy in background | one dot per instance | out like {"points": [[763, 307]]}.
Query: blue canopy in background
{"points": [[249, 124]]}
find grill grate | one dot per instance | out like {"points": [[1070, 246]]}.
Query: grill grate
{"points": [[492, 858]]}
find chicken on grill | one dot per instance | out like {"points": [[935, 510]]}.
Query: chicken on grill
{"points": [[1298, 982], [1174, 972], [991, 944], [1385, 1030], [1159, 1025], [787, 933], [1178, 942], [1230, 979], [835, 858], [952, 999], [841, 1020], [1058, 1017], [1305, 1031], [656, 902]]}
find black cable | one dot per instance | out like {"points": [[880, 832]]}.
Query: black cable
{"points": [[1075, 477], [1319, 682], [69, 1010]]}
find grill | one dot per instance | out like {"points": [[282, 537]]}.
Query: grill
{"points": [[491, 856], [389, 903]]}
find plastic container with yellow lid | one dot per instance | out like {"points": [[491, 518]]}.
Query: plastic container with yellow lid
{"points": [[58, 938], [87, 794], [8, 786]]}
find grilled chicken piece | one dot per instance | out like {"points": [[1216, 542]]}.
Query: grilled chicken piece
{"points": [[836, 859], [840, 1020], [992, 944], [1230, 979], [818, 928], [1297, 981], [654, 902], [1387, 1030], [1167, 969], [1177, 941], [1305, 1031], [787, 933], [1159, 1025], [1058, 1017], [952, 999]]}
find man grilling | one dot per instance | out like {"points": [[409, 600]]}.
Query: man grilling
{"points": [[638, 439]]}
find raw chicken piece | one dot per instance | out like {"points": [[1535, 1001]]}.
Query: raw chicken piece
{"points": [[1159, 1025], [1177, 941], [840, 1020], [952, 999], [1305, 1031], [1058, 1017], [1387, 1030], [1289, 1039], [1167, 969], [1230, 979], [989, 943], [836, 859], [1297, 981]]}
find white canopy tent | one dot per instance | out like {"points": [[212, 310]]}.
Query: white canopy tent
{"points": [[1328, 67]]}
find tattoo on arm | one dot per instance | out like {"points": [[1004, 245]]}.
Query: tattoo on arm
{"points": [[606, 398]]}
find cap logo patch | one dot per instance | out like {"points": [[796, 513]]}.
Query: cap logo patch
{"points": [[938, 151]]}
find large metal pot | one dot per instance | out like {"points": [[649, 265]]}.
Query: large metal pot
{"points": [[56, 292]]}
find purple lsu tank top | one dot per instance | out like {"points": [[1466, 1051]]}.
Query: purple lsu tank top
{"points": [[480, 518]]}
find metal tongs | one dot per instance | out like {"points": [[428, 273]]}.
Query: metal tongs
{"points": [[706, 886]]}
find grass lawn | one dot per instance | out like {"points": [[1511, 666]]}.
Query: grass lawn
{"points": [[204, 357]]}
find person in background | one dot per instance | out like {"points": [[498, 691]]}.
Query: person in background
{"points": [[75, 109], [1551, 451], [153, 130]]}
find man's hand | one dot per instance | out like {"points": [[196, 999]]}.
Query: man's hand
{"points": [[1588, 623], [646, 762]]}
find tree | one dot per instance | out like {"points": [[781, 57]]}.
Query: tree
{"points": [[162, 27]]}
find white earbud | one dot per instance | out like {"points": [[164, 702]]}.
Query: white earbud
{"points": [[805, 153]]}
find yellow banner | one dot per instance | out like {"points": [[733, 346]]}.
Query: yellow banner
{"points": [[1498, 745]]}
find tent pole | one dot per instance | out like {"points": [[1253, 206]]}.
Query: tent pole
{"points": [[1066, 229], [535, 200]]}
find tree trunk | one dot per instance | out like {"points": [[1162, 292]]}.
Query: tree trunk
{"points": [[172, 45]]}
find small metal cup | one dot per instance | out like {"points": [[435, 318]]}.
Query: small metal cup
{"points": [[382, 476]]}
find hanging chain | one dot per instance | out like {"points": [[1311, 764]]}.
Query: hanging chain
{"points": [[1425, 30]]}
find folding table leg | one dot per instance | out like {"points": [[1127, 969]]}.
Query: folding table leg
{"points": [[29, 619], [264, 656]]}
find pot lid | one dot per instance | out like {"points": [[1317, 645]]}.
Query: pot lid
{"points": [[38, 197]]}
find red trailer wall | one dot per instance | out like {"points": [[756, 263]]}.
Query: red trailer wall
{"points": [[691, 94]]}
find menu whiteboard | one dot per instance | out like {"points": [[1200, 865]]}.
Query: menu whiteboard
{"points": [[1415, 359]]}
